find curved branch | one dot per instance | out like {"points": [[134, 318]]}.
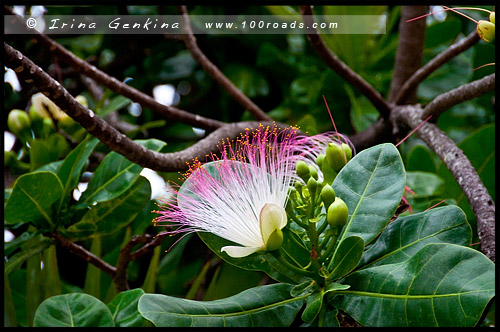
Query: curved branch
{"points": [[341, 68], [436, 62], [215, 73], [410, 50], [456, 96], [83, 253], [461, 168], [84, 68], [29, 72]]}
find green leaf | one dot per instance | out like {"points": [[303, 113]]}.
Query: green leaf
{"points": [[114, 176], [107, 217], [47, 150], [371, 185], [73, 310], [114, 104], [270, 305], [425, 184], [70, 171], [124, 309], [441, 285], [420, 159], [313, 306], [32, 198], [405, 236], [346, 256], [31, 247]]}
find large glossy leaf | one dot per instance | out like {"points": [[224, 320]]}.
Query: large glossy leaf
{"points": [[109, 216], [346, 257], [405, 236], [114, 176], [371, 185], [124, 309], [441, 285], [73, 310], [32, 198], [70, 170], [270, 306]]}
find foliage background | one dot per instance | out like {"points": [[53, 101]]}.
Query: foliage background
{"points": [[285, 77]]}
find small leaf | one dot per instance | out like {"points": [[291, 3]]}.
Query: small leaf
{"points": [[32, 198], [124, 309], [73, 310], [346, 257], [304, 288], [269, 305], [441, 285], [313, 306]]}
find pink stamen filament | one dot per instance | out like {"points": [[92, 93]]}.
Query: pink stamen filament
{"points": [[335, 128], [444, 200], [453, 10], [414, 130]]}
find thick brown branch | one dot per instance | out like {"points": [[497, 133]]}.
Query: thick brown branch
{"points": [[29, 72], [410, 50], [461, 168], [83, 253], [215, 73], [456, 96], [445, 56], [341, 68]]}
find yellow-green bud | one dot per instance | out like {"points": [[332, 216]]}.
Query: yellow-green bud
{"points": [[82, 101], [327, 195], [320, 159], [486, 31], [313, 172], [335, 156], [275, 240], [303, 170], [18, 122], [347, 151], [492, 17], [298, 186], [312, 185], [337, 213]]}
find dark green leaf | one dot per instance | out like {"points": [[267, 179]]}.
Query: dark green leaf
{"points": [[405, 236], [109, 216], [114, 104], [270, 305], [420, 159], [31, 247], [346, 256], [425, 184], [313, 306], [114, 176], [32, 198], [371, 185], [124, 309], [73, 310], [70, 171], [441, 285]]}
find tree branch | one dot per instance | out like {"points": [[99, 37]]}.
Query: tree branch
{"points": [[341, 68], [410, 50], [215, 73], [84, 68], [445, 56], [29, 72], [456, 96], [83, 253], [461, 168]]}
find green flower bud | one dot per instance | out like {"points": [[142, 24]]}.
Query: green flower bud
{"points": [[313, 172], [335, 156], [492, 17], [486, 31], [298, 186], [272, 220], [312, 185], [320, 159], [19, 123], [47, 127], [303, 170], [327, 195], [337, 213], [275, 240], [347, 151]]}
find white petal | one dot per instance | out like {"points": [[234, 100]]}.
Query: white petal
{"points": [[237, 252]]}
